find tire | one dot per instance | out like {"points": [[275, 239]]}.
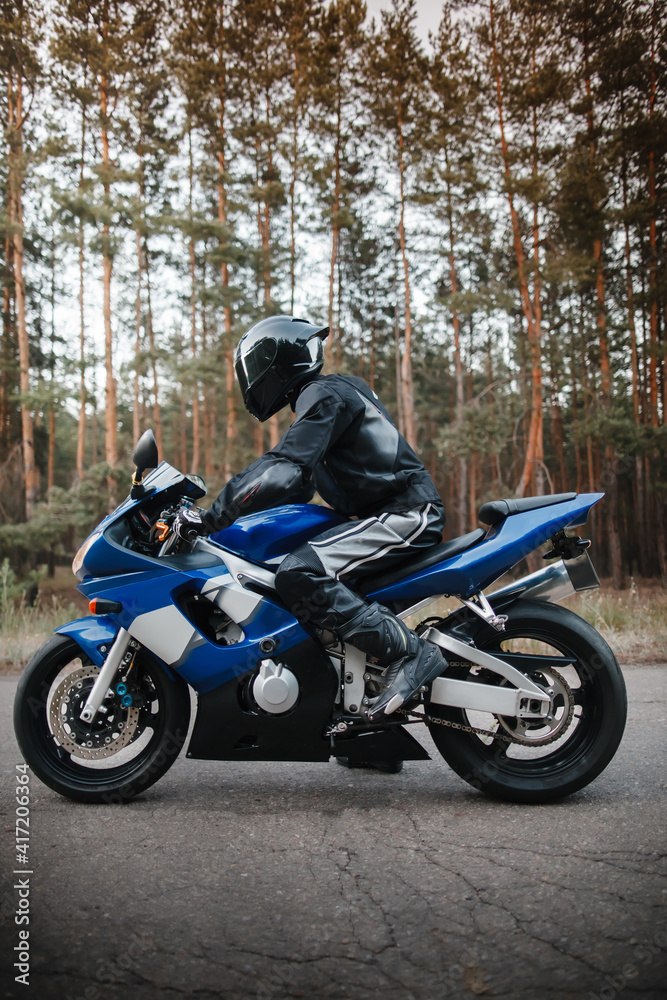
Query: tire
{"points": [[596, 704], [123, 752]]}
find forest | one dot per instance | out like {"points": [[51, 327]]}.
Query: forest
{"points": [[480, 218]]}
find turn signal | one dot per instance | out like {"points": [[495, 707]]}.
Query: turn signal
{"points": [[101, 606]]}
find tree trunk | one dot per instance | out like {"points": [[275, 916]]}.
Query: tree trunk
{"points": [[560, 476], [231, 423], [265, 234], [331, 342], [193, 345], [157, 414], [83, 396], [373, 347], [182, 433], [110, 446], [208, 413], [472, 496], [461, 464], [51, 462], [397, 352], [610, 463], [407, 388], [590, 468], [136, 421], [94, 441], [7, 346], [537, 404], [653, 248], [193, 311], [640, 492], [295, 160], [15, 186], [534, 449], [575, 408]]}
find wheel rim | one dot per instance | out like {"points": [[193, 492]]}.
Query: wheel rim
{"points": [[551, 758], [106, 753]]}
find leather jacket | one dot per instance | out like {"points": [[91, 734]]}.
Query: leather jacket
{"points": [[343, 444]]}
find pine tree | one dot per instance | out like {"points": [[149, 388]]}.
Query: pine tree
{"points": [[206, 59], [451, 185], [96, 33], [397, 68], [147, 95], [337, 121], [72, 190], [20, 70]]}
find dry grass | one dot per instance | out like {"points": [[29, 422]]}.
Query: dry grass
{"points": [[24, 629], [633, 621]]}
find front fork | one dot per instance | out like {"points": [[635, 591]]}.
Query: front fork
{"points": [[118, 655]]}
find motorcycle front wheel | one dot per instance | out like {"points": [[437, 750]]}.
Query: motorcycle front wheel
{"points": [[524, 761], [134, 740]]}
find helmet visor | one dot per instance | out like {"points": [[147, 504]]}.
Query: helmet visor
{"points": [[253, 364]]}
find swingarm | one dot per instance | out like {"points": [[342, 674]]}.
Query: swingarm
{"points": [[525, 700]]}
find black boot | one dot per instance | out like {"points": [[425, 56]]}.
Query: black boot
{"points": [[422, 664], [376, 632], [411, 662]]}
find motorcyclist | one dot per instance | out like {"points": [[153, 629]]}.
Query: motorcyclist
{"points": [[343, 444]]}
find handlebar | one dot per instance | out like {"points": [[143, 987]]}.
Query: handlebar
{"points": [[165, 528]]}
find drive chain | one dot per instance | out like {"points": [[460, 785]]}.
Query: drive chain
{"points": [[475, 730]]}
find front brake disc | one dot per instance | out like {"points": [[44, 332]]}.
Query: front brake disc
{"points": [[105, 737]]}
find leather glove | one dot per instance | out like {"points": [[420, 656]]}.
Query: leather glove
{"points": [[188, 524]]}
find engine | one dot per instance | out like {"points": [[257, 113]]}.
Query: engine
{"points": [[275, 689]]}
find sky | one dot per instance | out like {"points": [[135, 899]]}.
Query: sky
{"points": [[429, 13]]}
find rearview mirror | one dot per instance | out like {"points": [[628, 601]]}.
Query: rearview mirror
{"points": [[145, 454], [145, 457]]}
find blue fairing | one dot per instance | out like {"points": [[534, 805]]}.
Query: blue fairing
{"points": [[504, 546], [91, 633], [207, 664], [106, 555], [271, 534]]}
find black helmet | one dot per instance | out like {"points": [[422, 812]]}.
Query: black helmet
{"points": [[276, 356]]}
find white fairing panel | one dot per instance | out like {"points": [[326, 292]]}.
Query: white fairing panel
{"points": [[235, 600], [166, 632]]}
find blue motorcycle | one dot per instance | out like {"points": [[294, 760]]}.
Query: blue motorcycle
{"points": [[532, 705]]}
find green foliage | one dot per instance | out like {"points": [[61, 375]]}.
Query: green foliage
{"points": [[241, 135], [60, 524]]}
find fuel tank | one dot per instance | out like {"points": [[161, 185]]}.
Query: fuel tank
{"points": [[269, 535]]}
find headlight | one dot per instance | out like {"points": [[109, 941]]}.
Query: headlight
{"points": [[77, 562]]}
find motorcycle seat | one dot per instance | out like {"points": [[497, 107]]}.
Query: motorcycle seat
{"points": [[495, 511], [416, 563]]}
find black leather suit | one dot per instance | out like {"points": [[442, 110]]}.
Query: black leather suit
{"points": [[344, 445]]}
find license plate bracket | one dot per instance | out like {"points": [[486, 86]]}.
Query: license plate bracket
{"points": [[581, 572]]}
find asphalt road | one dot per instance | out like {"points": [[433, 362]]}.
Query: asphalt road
{"points": [[309, 880]]}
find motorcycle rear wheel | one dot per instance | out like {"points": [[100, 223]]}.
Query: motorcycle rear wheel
{"points": [[546, 770], [124, 752]]}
